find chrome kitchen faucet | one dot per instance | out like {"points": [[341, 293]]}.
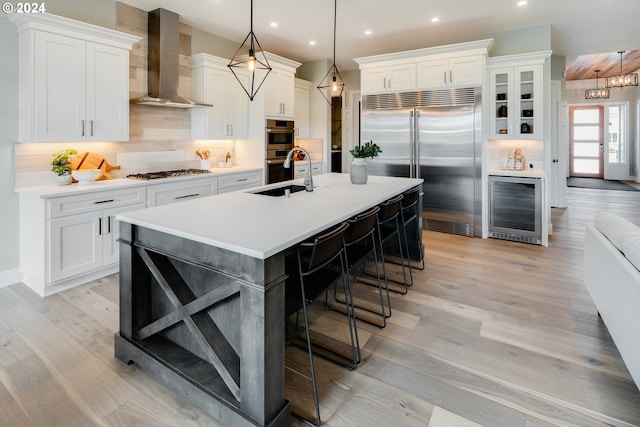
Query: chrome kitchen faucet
{"points": [[308, 179]]}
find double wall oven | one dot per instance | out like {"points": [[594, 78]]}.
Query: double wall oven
{"points": [[279, 141]]}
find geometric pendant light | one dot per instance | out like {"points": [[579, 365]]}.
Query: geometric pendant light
{"points": [[332, 84], [621, 80], [596, 93], [250, 56]]}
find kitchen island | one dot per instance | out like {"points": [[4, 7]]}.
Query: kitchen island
{"points": [[202, 290]]}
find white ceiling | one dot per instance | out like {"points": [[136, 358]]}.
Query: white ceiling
{"points": [[578, 27]]}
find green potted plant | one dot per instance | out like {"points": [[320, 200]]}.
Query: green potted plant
{"points": [[360, 153], [61, 165]]}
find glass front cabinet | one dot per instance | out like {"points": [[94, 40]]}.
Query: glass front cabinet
{"points": [[515, 101]]}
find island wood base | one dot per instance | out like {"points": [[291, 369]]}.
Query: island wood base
{"points": [[206, 322]]}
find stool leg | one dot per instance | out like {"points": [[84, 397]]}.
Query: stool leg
{"points": [[313, 371]]}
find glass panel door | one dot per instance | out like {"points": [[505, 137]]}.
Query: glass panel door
{"points": [[586, 141]]}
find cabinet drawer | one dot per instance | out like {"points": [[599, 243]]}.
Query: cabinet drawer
{"points": [[81, 203], [244, 180], [164, 194], [300, 170]]}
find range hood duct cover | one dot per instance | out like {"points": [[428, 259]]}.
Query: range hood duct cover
{"points": [[163, 62]]}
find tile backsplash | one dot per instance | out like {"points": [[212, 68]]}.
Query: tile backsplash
{"points": [[533, 150]]}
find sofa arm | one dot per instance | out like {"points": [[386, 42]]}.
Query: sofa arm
{"points": [[614, 286]]}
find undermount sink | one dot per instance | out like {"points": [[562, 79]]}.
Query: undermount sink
{"points": [[279, 191]]}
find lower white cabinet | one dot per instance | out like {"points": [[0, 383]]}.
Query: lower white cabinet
{"points": [[84, 243], [300, 169], [239, 181], [71, 239], [173, 192]]}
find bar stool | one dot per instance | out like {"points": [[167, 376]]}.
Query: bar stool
{"points": [[388, 227], [313, 276], [360, 244], [410, 213]]}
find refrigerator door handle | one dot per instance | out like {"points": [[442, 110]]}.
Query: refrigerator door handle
{"points": [[416, 145], [412, 144]]}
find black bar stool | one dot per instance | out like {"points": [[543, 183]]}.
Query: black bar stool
{"points": [[410, 213], [360, 245], [389, 228], [314, 274]]}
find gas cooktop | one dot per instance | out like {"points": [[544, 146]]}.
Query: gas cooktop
{"points": [[167, 174]]}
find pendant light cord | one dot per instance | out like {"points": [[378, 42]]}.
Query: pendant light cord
{"points": [[335, 19]]}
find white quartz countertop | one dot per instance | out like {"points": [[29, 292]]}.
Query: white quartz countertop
{"points": [[261, 226], [48, 191], [524, 173]]}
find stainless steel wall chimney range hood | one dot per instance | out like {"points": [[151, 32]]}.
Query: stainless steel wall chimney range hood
{"points": [[163, 62]]}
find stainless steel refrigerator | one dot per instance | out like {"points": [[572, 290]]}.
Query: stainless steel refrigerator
{"points": [[434, 135]]}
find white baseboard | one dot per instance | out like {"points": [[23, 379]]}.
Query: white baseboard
{"points": [[10, 277]]}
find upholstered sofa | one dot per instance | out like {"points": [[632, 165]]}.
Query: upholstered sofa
{"points": [[611, 263]]}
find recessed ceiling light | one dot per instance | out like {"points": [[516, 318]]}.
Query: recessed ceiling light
{"points": [[367, 32], [522, 3], [274, 24], [435, 19], [312, 42]]}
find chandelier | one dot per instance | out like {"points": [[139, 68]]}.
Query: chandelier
{"points": [[621, 80], [332, 84], [596, 93], [251, 57]]}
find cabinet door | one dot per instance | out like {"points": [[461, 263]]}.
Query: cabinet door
{"points": [[107, 102], [59, 88], [465, 71], [272, 93], [110, 229], [216, 94], [402, 77], [238, 114], [301, 116], [528, 102], [75, 245], [432, 74], [287, 94], [501, 93], [373, 80]]}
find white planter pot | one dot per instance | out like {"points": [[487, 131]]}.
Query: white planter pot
{"points": [[359, 171], [64, 179]]}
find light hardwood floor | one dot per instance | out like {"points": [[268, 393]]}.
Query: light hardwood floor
{"points": [[492, 333]]}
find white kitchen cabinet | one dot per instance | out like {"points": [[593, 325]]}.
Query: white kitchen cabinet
{"points": [[441, 73], [391, 78], [67, 240], [302, 108], [239, 181], [84, 243], [300, 169], [173, 192], [73, 81], [213, 83], [516, 97], [280, 96]]}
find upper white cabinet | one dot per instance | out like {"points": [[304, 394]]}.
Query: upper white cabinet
{"points": [[301, 117], [280, 96], [213, 83], [457, 65], [516, 96], [74, 80], [392, 78], [451, 72]]}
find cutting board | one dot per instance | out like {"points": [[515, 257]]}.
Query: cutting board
{"points": [[93, 161]]}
